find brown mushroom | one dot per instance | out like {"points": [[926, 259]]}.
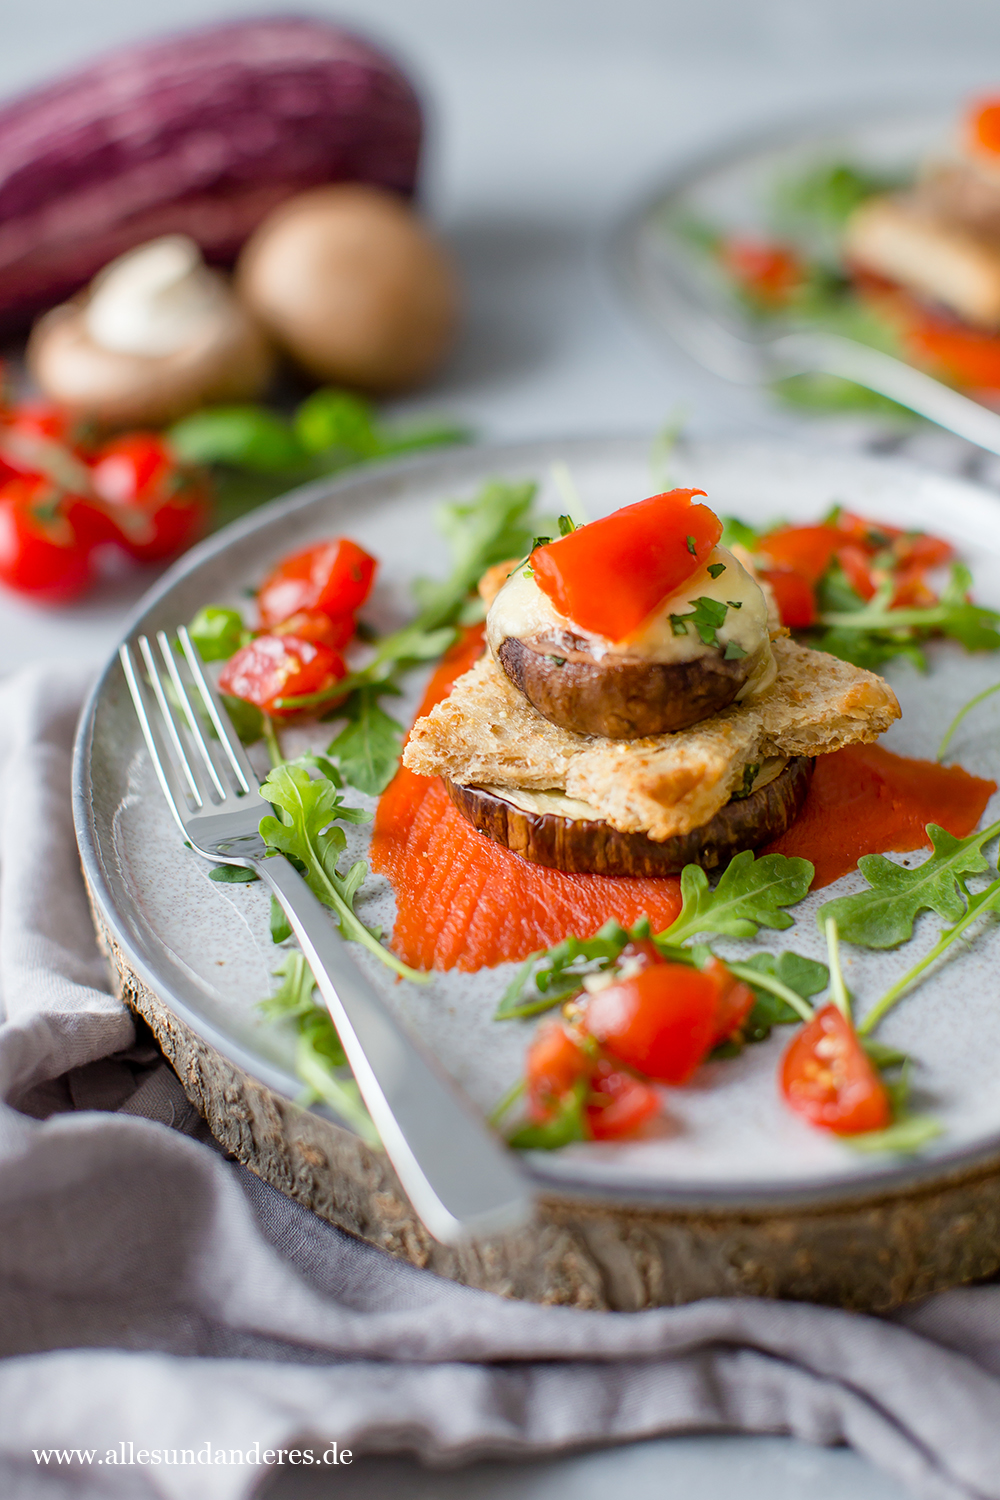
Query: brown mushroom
{"points": [[353, 285], [620, 697], [580, 846], [156, 335]]}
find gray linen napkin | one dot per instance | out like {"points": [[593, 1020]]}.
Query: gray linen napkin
{"points": [[153, 1293]]}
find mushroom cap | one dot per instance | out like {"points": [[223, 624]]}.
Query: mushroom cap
{"points": [[350, 282], [231, 361]]}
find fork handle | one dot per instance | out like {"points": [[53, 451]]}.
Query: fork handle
{"points": [[459, 1179]]}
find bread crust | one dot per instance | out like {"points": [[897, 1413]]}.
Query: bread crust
{"points": [[487, 734]]}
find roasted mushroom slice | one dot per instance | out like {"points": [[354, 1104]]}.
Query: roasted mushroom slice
{"points": [[622, 697], [584, 846]]}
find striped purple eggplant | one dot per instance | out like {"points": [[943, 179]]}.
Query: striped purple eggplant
{"points": [[201, 134]]}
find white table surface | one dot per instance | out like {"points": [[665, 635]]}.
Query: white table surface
{"points": [[548, 118]]}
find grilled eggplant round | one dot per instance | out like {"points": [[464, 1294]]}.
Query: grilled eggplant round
{"points": [[581, 846], [620, 698]]}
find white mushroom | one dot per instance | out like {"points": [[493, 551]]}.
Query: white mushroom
{"points": [[157, 334]]}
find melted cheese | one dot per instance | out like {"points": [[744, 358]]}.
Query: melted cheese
{"points": [[521, 610], [559, 805]]}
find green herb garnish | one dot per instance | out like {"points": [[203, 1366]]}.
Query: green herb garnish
{"points": [[707, 617]]}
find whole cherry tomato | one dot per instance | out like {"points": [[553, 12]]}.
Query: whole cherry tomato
{"points": [[313, 625], [42, 550], [155, 506], [280, 666], [827, 1076], [618, 1104], [662, 1022], [334, 577]]}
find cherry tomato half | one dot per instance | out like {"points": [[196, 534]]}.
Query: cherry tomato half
{"points": [[42, 552], [335, 577], [827, 1077], [154, 505], [280, 666], [662, 1022], [854, 561], [808, 550], [609, 576], [768, 273], [734, 1001], [618, 1104]]}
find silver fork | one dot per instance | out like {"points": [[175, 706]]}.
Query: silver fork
{"points": [[459, 1179]]}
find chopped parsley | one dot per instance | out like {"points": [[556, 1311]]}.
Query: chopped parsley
{"points": [[707, 617], [714, 569]]}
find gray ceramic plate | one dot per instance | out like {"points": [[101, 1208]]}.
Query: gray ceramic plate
{"points": [[204, 947]]}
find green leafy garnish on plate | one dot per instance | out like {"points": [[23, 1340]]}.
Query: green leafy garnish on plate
{"points": [[750, 893], [883, 915]]}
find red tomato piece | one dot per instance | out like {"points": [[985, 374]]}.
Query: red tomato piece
{"points": [[335, 577], [854, 561], [42, 553], [808, 550], [609, 576], [662, 1022], [280, 666], [734, 1001], [793, 595], [644, 951], [983, 126], [618, 1104], [314, 625], [155, 506], [44, 419], [872, 536], [769, 273], [911, 591], [556, 1063], [918, 550], [827, 1077], [968, 357]]}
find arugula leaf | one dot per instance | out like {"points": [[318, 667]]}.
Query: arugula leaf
{"points": [[280, 927], [707, 617], [827, 193], [553, 975], [737, 533], [310, 811], [904, 1136], [802, 977], [367, 750], [566, 1125], [972, 624], [232, 875], [332, 419], [495, 525], [883, 915], [750, 894], [318, 1048], [218, 633], [980, 904], [959, 717]]}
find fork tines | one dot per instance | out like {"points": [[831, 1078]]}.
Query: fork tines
{"points": [[171, 707]]}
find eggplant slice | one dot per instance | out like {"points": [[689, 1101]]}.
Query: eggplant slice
{"points": [[624, 698], [580, 847]]}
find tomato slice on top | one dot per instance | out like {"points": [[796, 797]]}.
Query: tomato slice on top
{"points": [[827, 1076], [609, 576], [334, 576]]}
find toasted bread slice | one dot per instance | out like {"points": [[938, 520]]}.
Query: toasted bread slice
{"points": [[908, 240], [486, 734]]}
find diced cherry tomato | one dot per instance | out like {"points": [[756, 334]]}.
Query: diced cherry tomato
{"points": [[609, 576], [662, 1022], [793, 595], [556, 1063], [643, 951], [767, 272], [871, 536], [618, 1104], [155, 506], [983, 126], [41, 550], [280, 666], [44, 419], [967, 356], [734, 1001], [808, 550], [335, 577], [910, 591], [854, 561], [827, 1076], [314, 625], [918, 550]]}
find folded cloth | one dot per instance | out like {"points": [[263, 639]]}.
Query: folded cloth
{"points": [[154, 1294]]}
